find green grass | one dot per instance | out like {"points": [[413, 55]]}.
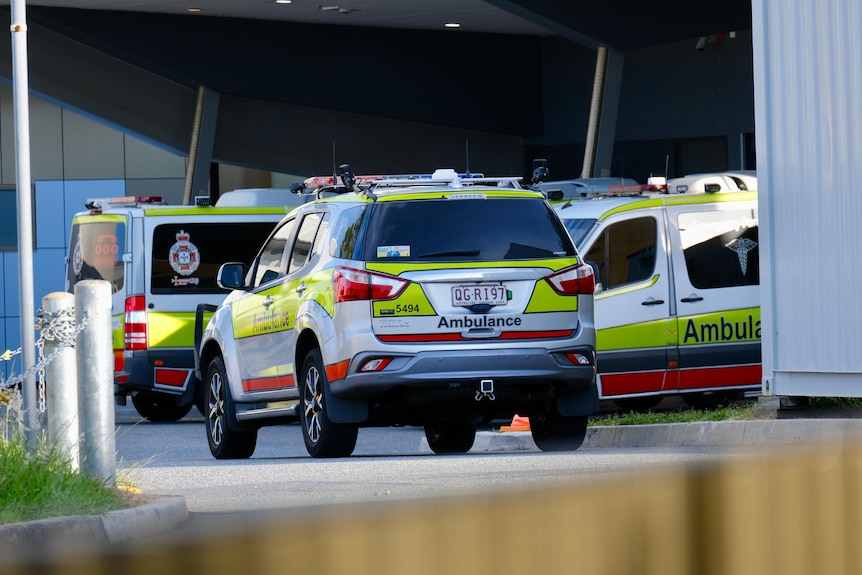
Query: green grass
{"points": [[40, 483], [840, 403], [674, 416]]}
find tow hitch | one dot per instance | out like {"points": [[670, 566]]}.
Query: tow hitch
{"points": [[486, 389]]}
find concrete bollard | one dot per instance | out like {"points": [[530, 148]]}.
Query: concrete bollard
{"points": [[61, 376], [96, 380]]}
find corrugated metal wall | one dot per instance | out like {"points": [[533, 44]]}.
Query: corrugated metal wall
{"points": [[808, 117]]}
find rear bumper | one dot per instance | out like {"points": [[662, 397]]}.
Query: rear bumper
{"points": [[175, 375], [458, 369]]}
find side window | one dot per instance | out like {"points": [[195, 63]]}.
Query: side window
{"points": [[304, 242], [721, 248], [345, 233], [625, 252], [269, 262], [322, 234]]}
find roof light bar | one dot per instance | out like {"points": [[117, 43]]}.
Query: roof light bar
{"points": [[441, 177], [101, 203]]}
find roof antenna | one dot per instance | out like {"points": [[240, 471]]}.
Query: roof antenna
{"points": [[467, 151], [334, 170]]}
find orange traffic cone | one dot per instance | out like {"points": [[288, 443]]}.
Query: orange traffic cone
{"points": [[518, 424]]}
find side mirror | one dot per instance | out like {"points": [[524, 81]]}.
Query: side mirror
{"points": [[230, 275]]}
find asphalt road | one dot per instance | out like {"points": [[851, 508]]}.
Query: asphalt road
{"points": [[388, 463]]}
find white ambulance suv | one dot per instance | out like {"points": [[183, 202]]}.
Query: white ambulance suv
{"points": [[677, 304], [440, 301], [162, 262]]}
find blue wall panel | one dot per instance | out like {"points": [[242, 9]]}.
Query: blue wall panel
{"points": [[10, 284], [49, 215], [48, 273]]}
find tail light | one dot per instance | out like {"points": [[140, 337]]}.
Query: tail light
{"points": [[352, 285], [135, 324], [577, 280]]}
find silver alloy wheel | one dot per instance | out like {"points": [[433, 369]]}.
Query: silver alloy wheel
{"points": [[216, 409], [313, 400]]}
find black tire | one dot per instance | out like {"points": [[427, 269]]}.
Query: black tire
{"points": [[323, 438], [554, 432], [159, 408], [446, 437], [639, 403], [224, 441]]}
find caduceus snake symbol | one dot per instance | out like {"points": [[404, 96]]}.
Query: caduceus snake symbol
{"points": [[742, 246]]}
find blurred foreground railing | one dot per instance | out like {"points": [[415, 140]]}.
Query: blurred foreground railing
{"points": [[796, 510]]}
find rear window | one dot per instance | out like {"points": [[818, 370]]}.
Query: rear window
{"points": [[721, 248], [96, 253], [186, 257], [491, 229]]}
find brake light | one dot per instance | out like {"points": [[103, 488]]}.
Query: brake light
{"points": [[135, 324], [577, 280], [352, 285]]}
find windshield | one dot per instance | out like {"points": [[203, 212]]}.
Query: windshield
{"points": [[579, 229], [96, 252], [481, 229]]}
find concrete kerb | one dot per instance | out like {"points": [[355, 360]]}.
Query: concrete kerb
{"points": [[65, 535], [742, 433]]}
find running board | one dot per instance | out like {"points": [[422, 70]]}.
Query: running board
{"points": [[289, 413]]}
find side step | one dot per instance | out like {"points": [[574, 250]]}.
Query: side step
{"points": [[282, 413]]}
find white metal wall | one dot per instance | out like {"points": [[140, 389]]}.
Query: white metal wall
{"points": [[808, 117]]}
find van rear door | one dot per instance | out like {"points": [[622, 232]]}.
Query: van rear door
{"points": [[715, 251]]}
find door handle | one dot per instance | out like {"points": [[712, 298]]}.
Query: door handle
{"points": [[301, 288], [691, 298], [652, 301], [267, 302]]}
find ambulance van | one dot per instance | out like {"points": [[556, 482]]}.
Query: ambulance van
{"points": [[161, 261], [677, 306]]}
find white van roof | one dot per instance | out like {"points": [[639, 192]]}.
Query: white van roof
{"points": [[577, 186], [260, 197], [726, 182]]}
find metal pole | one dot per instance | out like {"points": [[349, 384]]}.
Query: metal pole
{"points": [[595, 112], [96, 380], [21, 103], [192, 161], [61, 375]]}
